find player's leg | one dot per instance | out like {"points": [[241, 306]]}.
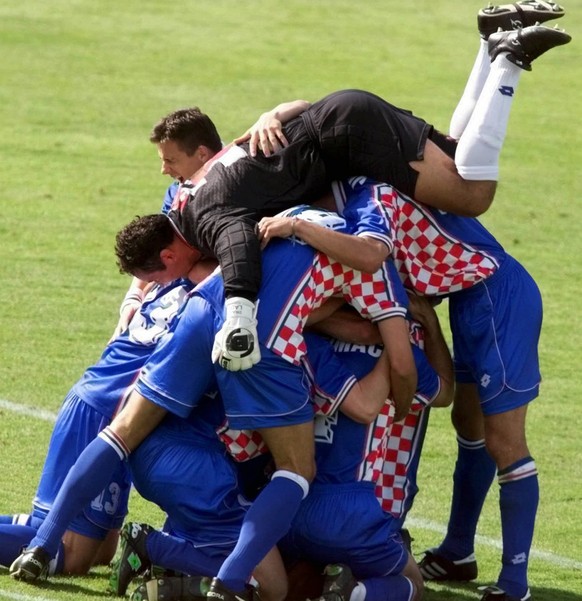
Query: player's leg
{"points": [[271, 576], [273, 398], [82, 552], [267, 520], [204, 513], [477, 156], [454, 558], [107, 549], [342, 585], [13, 538], [90, 475], [491, 19], [467, 184], [518, 495]]}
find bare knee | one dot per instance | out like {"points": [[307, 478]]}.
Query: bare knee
{"points": [[505, 437], [80, 553], [466, 414], [272, 577], [439, 185]]}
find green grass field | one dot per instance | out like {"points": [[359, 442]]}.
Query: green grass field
{"points": [[81, 85]]}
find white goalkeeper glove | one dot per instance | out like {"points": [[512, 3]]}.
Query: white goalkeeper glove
{"points": [[236, 345]]}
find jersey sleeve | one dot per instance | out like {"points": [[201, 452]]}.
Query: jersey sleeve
{"points": [[363, 209], [227, 232], [330, 378], [238, 251], [180, 370]]}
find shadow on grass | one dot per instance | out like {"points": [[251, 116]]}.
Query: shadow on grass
{"points": [[93, 584], [469, 592]]}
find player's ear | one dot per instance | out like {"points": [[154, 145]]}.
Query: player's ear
{"points": [[204, 153], [167, 256]]}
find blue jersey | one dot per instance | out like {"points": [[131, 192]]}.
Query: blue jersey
{"points": [[169, 197], [347, 451], [91, 404], [296, 280], [436, 253], [105, 385]]}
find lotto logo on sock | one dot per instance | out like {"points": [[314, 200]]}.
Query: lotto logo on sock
{"points": [[519, 558], [506, 90]]}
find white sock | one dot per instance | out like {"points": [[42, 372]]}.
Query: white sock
{"points": [[477, 156], [472, 91]]}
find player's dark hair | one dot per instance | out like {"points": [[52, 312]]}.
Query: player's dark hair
{"points": [[139, 244], [188, 128]]}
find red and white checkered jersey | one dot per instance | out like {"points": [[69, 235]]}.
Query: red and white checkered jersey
{"points": [[367, 293], [436, 253]]}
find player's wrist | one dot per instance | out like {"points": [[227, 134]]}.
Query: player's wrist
{"points": [[133, 298]]}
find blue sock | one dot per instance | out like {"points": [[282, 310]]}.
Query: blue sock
{"points": [[518, 501], [12, 540], [177, 554], [267, 520], [388, 588], [85, 480], [474, 473]]}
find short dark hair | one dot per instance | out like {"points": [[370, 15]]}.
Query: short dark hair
{"points": [[139, 244], [189, 128]]}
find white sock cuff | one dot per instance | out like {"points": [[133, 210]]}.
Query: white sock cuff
{"points": [[526, 470], [470, 445], [299, 480]]}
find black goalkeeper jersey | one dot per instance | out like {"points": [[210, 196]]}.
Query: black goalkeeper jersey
{"points": [[347, 133]]}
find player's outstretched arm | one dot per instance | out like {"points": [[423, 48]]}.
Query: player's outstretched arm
{"points": [[359, 252], [267, 133]]}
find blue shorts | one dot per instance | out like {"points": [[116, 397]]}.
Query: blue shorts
{"points": [[76, 426], [344, 523], [496, 327], [273, 393], [194, 483]]}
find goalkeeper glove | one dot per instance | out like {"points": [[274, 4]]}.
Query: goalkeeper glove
{"points": [[236, 345]]}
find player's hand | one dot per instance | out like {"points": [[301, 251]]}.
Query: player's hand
{"points": [[275, 227], [236, 345], [265, 135], [421, 309]]}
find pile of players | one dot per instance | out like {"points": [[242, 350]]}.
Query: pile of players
{"points": [[275, 408]]}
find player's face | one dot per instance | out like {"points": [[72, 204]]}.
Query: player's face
{"points": [[178, 259], [176, 163]]}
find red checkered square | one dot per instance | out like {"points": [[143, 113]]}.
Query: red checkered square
{"points": [[391, 483], [371, 467], [428, 258], [243, 445]]}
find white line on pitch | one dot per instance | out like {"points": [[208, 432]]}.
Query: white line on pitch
{"points": [[43, 414], [19, 597], [563, 562]]}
